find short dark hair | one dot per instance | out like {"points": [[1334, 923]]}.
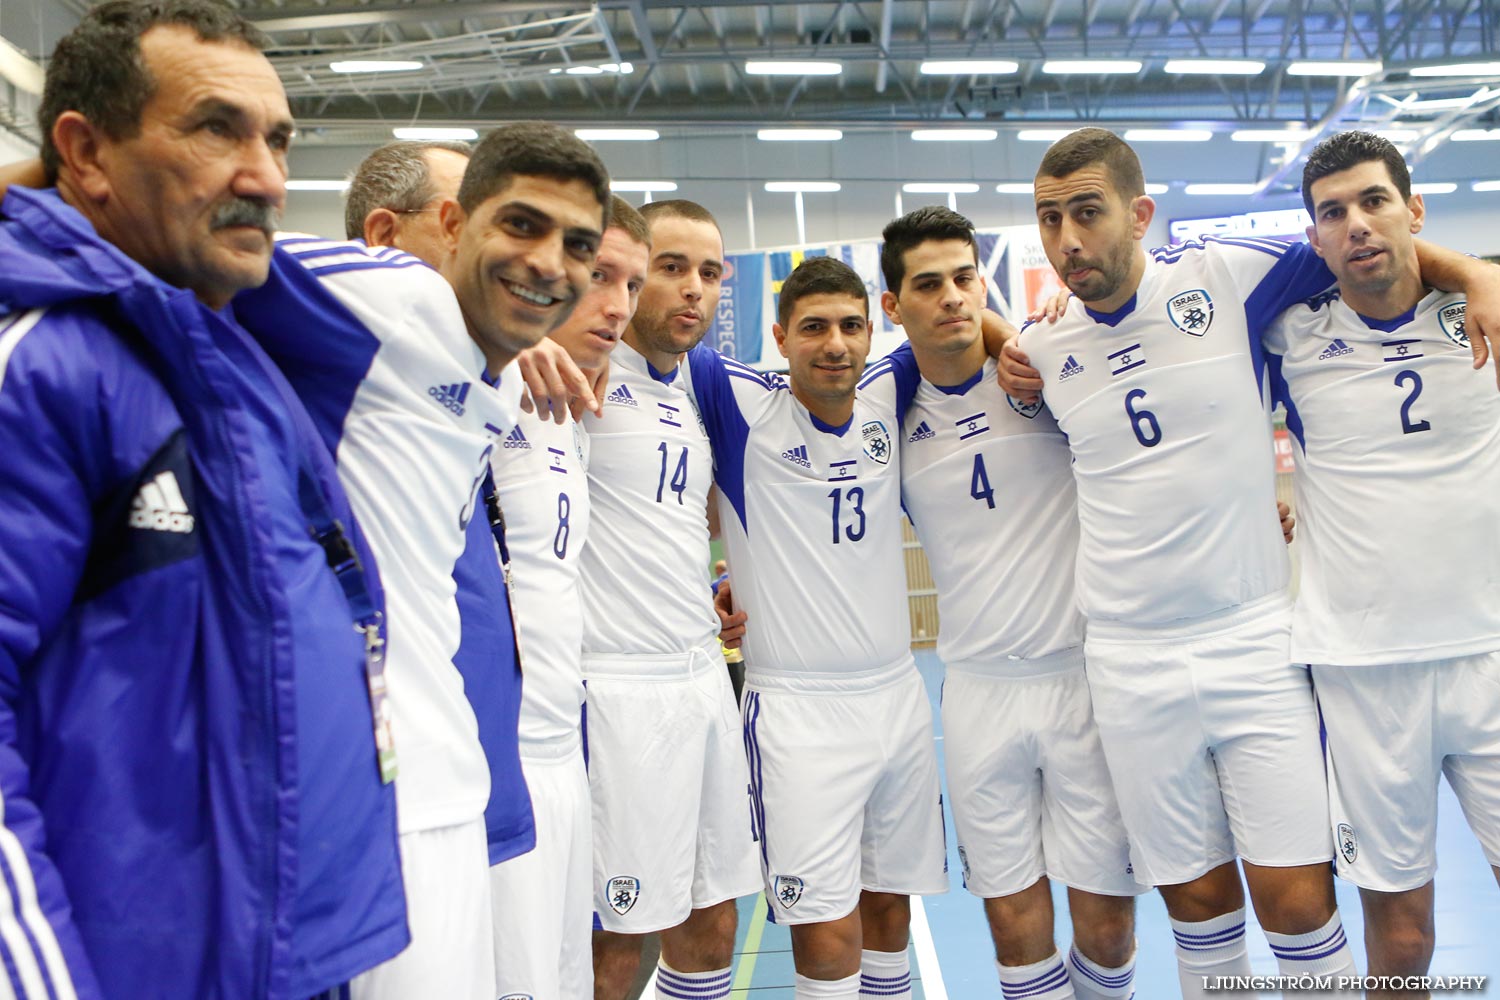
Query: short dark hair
{"points": [[1087, 146], [680, 208], [396, 177], [931, 222], [622, 215], [531, 149], [1349, 149], [97, 70], [819, 276]]}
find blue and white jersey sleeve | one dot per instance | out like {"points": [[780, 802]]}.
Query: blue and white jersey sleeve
{"points": [[1397, 448], [892, 381]]}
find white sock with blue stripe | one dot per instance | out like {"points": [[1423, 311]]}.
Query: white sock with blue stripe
{"points": [[826, 989], [674, 985], [1044, 980], [1092, 981], [885, 974], [1210, 948], [1323, 952]]}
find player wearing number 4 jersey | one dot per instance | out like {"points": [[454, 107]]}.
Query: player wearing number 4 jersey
{"points": [[987, 482], [837, 721], [1398, 489]]}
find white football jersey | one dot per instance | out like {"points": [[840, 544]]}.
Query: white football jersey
{"points": [[988, 486], [1162, 405], [415, 445], [644, 572], [1397, 483], [541, 476], [811, 519]]}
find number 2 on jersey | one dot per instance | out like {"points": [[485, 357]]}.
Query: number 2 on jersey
{"points": [[679, 479], [979, 484], [1407, 426], [856, 497]]}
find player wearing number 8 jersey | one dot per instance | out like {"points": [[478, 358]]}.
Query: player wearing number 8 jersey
{"points": [[1398, 488], [837, 720]]}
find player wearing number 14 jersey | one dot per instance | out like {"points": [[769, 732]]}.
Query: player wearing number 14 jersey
{"points": [[1398, 489]]}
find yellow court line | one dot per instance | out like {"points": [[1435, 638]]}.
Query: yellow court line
{"points": [[746, 971]]}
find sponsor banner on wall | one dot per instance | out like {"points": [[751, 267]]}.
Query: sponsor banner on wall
{"points": [[740, 320]]}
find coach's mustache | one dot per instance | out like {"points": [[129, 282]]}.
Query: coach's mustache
{"points": [[245, 212]]}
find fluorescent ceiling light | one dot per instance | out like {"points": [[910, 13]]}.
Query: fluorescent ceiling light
{"points": [[1476, 135], [793, 67], [1396, 135], [1434, 187], [1168, 135], [1156, 189], [1487, 185], [436, 134], [1014, 187], [1058, 67], [642, 186], [799, 135], [1414, 103], [600, 70], [811, 187], [954, 134], [1269, 135], [617, 134], [1221, 188], [1333, 67], [923, 187], [1220, 67], [967, 67], [375, 66], [317, 185], [1042, 134], [1458, 69]]}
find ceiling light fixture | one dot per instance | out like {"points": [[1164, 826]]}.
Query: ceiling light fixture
{"points": [[938, 187], [317, 185], [1476, 135], [1457, 69], [1434, 187], [423, 134], [967, 67], [1096, 67], [799, 135], [376, 66], [1217, 67], [804, 187], [617, 134], [954, 134], [1015, 187], [640, 187], [1333, 67], [1043, 134], [793, 67]]}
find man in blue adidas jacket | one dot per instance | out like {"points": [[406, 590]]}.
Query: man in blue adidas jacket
{"points": [[189, 781]]}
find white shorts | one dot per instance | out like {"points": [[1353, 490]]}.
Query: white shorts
{"points": [[1211, 736], [670, 789], [1030, 792], [1391, 731], [543, 901], [448, 913], [845, 780]]}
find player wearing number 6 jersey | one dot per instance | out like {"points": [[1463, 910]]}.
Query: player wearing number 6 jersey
{"points": [[837, 721], [987, 482], [667, 773], [1398, 489]]}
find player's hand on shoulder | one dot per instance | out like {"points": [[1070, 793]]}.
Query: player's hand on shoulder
{"points": [[1482, 319], [731, 622], [1051, 310], [598, 385], [1288, 522], [554, 382], [1015, 374]]}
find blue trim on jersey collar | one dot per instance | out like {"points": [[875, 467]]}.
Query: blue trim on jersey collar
{"points": [[962, 387], [836, 431], [1112, 318], [493, 381], [665, 378], [1389, 325]]}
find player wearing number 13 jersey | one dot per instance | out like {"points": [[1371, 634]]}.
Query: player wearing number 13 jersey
{"points": [[1209, 729], [837, 720]]}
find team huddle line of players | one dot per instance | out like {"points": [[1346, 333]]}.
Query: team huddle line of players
{"points": [[526, 753]]}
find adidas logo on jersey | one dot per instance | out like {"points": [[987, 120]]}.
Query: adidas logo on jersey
{"points": [[621, 395], [1070, 368], [515, 439], [922, 433], [1335, 349], [159, 506], [451, 396], [797, 456]]}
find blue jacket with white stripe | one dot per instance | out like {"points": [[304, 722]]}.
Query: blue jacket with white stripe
{"points": [[189, 786]]}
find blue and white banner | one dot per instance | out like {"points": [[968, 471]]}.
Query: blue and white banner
{"points": [[740, 321]]}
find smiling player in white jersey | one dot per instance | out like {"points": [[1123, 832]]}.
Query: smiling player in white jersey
{"points": [[672, 832], [986, 480], [398, 373], [837, 721], [543, 900], [1398, 488]]}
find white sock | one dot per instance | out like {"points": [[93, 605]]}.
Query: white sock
{"points": [[885, 974], [827, 989], [674, 985], [1210, 948], [1092, 981], [1323, 952], [1044, 980]]}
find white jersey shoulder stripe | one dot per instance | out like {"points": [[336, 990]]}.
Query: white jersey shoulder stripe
{"points": [[875, 371], [11, 334]]}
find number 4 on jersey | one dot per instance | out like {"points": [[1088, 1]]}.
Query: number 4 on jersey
{"points": [[979, 483]]}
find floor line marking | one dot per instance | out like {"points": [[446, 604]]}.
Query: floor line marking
{"points": [[745, 973], [927, 960]]}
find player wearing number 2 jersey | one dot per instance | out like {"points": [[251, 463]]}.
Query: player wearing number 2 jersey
{"points": [[1398, 489], [987, 482], [837, 721]]}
